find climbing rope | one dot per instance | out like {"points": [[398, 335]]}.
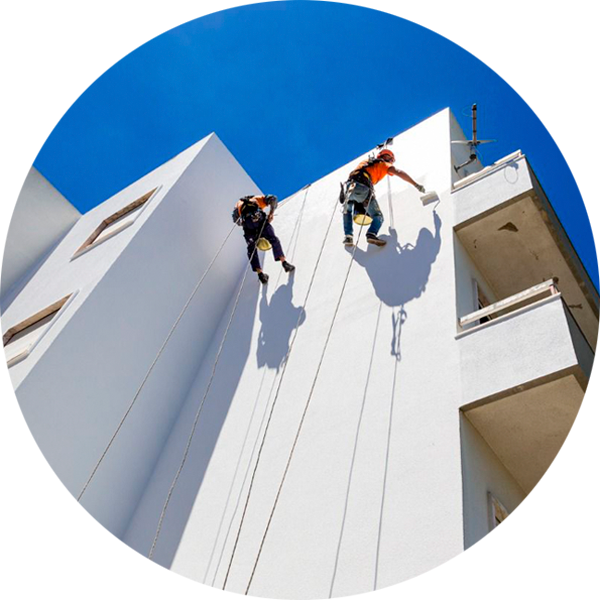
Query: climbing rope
{"points": [[302, 419], [156, 358], [266, 430], [145, 379], [199, 411], [206, 392], [305, 408], [354, 453], [293, 239], [387, 452], [390, 206], [239, 497]]}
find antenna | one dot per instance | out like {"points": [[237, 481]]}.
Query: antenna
{"points": [[472, 143]]}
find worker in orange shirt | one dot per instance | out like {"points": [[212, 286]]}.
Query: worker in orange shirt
{"points": [[359, 194], [249, 214]]}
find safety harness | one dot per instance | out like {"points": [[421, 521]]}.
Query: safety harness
{"points": [[359, 175], [245, 208]]}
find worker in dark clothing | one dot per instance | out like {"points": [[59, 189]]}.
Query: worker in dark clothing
{"points": [[249, 214], [358, 194]]}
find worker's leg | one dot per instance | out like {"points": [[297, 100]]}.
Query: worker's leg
{"points": [[357, 193], [251, 238], [348, 223], [375, 212], [269, 234]]}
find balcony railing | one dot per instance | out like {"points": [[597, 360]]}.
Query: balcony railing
{"points": [[547, 288]]}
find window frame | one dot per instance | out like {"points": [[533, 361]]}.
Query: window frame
{"points": [[92, 240], [56, 308], [480, 301]]}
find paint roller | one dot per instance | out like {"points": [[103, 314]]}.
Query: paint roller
{"points": [[429, 197]]}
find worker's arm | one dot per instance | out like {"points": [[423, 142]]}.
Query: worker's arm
{"points": [[406, 177], [271, 201]]}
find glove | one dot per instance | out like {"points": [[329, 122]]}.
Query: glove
{"points": [[420, 188]]}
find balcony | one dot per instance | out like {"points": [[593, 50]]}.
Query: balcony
{"points": [[524, 374], [510, 231]]}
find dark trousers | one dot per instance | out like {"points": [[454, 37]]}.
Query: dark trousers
{"points": [[252, 232]]}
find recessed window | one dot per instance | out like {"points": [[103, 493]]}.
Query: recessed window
{"points": [[500, 551], [20, 339], [116, 222]]}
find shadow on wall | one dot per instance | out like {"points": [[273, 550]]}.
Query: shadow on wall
{"points": [[231, 365], [279, 318], [400, 273]]}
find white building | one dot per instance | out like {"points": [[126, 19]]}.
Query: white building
{"points": [[307, 453]]}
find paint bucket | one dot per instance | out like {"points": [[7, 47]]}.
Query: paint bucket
{"points": [[263, 244], [363, 219]]}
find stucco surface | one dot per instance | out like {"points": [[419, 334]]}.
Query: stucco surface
{"points": [[346, 378], [514, 349], [77, 385], [41, 218], [527, 429], [373, 493], [483, 474]]}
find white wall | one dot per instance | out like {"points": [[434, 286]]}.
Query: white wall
{"points": [[522, 346], [335, 519], [374, 493], [42, 216], [76, 386], [466, 274], [483, 473]]}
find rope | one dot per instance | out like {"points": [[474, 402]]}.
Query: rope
{"points": [[197, 417], [199, 411], [285, 363], [246, 474], [387, 461], [390, 206], [293, 238], [298, 224], [145, 379], [354, 453], [305, 408]]}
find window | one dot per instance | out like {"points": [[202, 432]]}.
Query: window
{"points": [[20, 340], [500, 551], [115, 223]]}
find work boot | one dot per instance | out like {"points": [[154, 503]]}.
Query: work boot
{"points": [[263, 277], [373, 239], [348, 240], [287, 267]]}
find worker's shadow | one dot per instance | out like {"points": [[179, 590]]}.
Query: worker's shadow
{"points": [[399, 273], [279, 318]]}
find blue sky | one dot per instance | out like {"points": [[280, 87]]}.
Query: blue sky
{"points": [[294, 90]]}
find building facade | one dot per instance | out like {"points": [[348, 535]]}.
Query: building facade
{"points": [[339, 430]]}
